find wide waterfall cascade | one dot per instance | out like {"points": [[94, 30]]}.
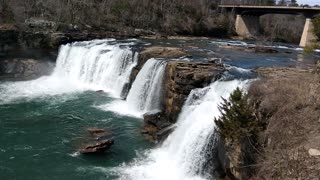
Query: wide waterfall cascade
{"points": [[89, 65], [96, 65], [145, 94], [183, 153]]}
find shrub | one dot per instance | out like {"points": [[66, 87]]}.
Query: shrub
{"points": [[316, 24], [238, 119]]}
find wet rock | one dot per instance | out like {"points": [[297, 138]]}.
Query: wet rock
{"points": [[99, 147], [215, 60], [153, 123], [96, 130], [165, 132], [253, 49], [261, 49], [99, 133], [100, 91]]}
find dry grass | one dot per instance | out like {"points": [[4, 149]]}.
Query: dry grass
{"points": [[289, 100]]}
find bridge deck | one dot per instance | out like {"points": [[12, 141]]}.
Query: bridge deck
{"points": [[309, 12], [269, 7]]}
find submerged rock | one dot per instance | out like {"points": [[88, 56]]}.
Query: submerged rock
{"points": [[96, 130], [254, 49], [99, 147]]}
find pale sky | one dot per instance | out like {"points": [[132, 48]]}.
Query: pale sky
{"points": [[310, 2]]}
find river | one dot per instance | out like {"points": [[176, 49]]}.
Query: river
{"points": [[43, 122]]}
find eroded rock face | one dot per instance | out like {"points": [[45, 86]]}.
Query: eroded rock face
{"points": [[156, 52], [25, 68], [153, 52], [180, 78]]}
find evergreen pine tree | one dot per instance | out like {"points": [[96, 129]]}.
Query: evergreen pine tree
{"points": [[237, 119]]}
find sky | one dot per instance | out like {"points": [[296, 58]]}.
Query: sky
{"points": [[310, 2]]}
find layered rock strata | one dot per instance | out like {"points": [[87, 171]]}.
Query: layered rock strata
{"points": [[180, 78]]}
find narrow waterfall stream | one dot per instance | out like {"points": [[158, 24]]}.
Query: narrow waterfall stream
{"points": [[145, 93], [183, 153]]}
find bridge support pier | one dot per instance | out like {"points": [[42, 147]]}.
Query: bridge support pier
{"points": [[247, 26], [308, 36]]}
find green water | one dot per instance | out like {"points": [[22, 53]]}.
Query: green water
{"points": [[39, 138]]}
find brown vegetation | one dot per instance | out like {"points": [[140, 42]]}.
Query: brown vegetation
{"points": [[283, 28], [182, 17], [289, 100]]}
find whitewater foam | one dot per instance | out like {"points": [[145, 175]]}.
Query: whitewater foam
{"points": [[145, 93], [183, 153], [89, 65]]}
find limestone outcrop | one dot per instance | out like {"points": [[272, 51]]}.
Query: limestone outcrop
{"points": [[180, 78], [156, 52], [152, 52]]}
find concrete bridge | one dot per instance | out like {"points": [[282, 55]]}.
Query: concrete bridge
{"points": [[247, 21]]}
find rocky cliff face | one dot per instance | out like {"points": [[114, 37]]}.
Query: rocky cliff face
{"points": [[180, 78], [152, 52], [24, 68]]}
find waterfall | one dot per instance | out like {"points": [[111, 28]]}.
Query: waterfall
{"points": [[146, 91], [97, 65], [89, 65], [183, 153], [145, 94]]}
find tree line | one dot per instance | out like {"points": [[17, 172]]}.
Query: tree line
{"points": [[184, 17]]}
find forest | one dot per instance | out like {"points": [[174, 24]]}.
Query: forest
{"points": [[171, 17]]}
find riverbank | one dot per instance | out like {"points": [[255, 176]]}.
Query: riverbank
{"points": [[289, 101], [285, 102]]}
